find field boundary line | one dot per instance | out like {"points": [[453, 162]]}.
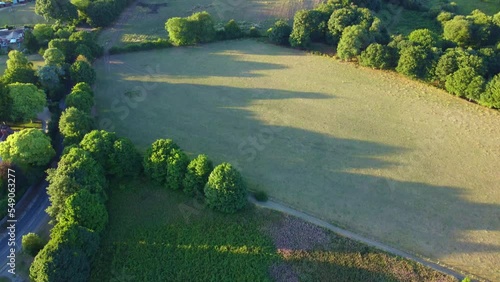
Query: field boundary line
{"points": [[277, 206]]}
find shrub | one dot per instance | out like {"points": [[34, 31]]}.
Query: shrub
{"points": [[424, 37], [197, 174], [225, 190], [197, 28], [456, 58], [344, 17], [233, 30], [177, 164], [465, 83], [260, 196], [308, 26], [279, 33], [354, 39], [141, 46], [377, 56], [156, 160], [32, 244], [254, 32], [415, 62], [459, 30], [81, 71], [491, 97], [81, 100]]}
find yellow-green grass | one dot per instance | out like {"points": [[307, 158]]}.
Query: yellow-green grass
{"points": [[382, 155], [141, 24], [36, 59], [160, 235], [19, 15]]}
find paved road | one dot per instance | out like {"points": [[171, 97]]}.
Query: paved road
{"points": [[30, 216], [311, 219]]}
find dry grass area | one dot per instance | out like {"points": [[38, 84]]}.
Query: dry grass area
{"points": [[390, 158]]}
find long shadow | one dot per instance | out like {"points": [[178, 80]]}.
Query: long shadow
{"points": [[310, 170]]}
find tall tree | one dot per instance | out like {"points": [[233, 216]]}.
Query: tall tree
{"points": [[61, 10], [74, 124], [27, 101], [19, 69], [28, 147]]}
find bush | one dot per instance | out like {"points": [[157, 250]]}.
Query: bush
{"points": [[233, 30], [308, 26], [254, 32], [279, 33], [465, 83], [260, 196], [124, 149], [225, 190], [354, 39], [456, 58], [197, 174], [141, 46], [491, 97], [377, 56], [156, 160], [81, 100], [344, 17], [424, 37], [415, 62], [197, 28], [32, 244], [81, 71], [177, 164]]}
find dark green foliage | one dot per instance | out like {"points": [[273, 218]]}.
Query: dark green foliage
{"points": [[80, 100], [457, 58], [60, 263], [465, 82], [308, 26], [225, 190], [197, 174], [459, 31], [378, 56], [32, 244], [19, 69], [62, 10], [85, 209], [76, 170], [424, 37], [30, 41], [260, 196], [77, 237], [74, 124], [43, 33], [233, 30], [85, 51], [65, 46], [5, 102], [415, 62], [491, 59], [279, 32], [53, 56], [491, 97], [99, 143], [354, 39], [177, 164], [197, 28], [125, 160], [482, 28], [254, 32], [141, 46], [156, 160], [81, 71], [344, 17], [89, 40], [26, 148]]}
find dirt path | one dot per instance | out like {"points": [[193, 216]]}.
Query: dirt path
{"points": [[273, 205]]}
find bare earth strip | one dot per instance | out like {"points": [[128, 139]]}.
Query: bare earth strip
{"points": [[389, 158]]}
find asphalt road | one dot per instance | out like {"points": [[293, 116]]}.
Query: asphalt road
{"points": [[31, 217]]}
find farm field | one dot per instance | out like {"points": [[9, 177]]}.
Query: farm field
{"points": [[147, 22], [381, 155], [20, 15], [177, 239]]}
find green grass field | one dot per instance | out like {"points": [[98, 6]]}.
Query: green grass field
{"points": [[20, 15], [379, 154], [466, 6], [158, 235]]}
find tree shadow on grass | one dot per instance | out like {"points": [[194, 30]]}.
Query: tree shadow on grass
{"points": [[312, 171]]}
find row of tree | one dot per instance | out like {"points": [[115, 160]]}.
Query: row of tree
{"points": [[98, 13], [464, 59]]}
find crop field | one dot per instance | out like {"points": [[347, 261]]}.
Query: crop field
{"points": [[146, 20], [178, 239], [20, 15], [384, 156]]}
